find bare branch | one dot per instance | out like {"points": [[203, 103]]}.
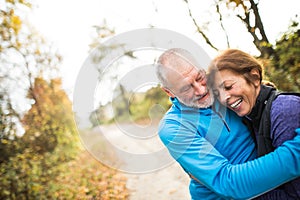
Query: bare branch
{"points": [[199, 28], [221, 22], [250, 29], [257, 30], [258, 22]]}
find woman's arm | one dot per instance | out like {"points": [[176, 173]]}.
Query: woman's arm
{"points": [[285, 118], [199, 158]]}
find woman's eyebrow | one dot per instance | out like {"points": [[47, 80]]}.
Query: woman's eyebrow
{"points": [[221, 85], [224, 82]]}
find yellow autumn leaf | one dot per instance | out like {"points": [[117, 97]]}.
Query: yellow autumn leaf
{"points": [[16, 23]]}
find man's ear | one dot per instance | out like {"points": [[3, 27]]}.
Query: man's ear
{"points": [[255, 73], [169, 93]]}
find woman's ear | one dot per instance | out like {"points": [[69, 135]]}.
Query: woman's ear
{"points": [[169, 93], [255, 73]]}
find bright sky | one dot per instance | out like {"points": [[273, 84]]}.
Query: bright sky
{"points": [[68, 24]]}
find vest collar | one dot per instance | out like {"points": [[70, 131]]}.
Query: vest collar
{"points": [[261, 101]]}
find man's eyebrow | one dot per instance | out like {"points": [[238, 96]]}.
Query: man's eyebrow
{"points": [[201, 73]]}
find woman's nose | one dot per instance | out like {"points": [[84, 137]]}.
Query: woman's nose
{"points": [[224, 96]]}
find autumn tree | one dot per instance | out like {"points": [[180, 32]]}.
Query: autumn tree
{"points": [[24, 55], [284, 69], [245, 11], [10, 26], [28, 68], [38, 137], [49, 123], [248, 13], [282, 64]]}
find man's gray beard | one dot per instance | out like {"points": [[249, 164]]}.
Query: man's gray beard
{"points": [[207, 103]]}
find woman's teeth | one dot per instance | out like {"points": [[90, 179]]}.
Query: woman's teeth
{"points": [[236, 104]]}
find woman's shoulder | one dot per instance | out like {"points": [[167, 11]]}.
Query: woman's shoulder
{"points": [[285, 106], [286, 101]]}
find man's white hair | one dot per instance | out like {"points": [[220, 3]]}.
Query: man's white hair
{"points": [[173, 59]]}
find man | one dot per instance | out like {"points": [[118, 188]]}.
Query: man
{"points": [[210, 142]]}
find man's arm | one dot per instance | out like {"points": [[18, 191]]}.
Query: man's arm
{"points": [[198, 157]]}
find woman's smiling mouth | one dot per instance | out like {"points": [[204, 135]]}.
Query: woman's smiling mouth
{"points": [[236, 104]]}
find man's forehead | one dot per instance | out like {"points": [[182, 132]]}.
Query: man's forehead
{"points": [[180, 78], [183, 70]]}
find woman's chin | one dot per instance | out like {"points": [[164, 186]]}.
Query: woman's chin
{"points": [[239, 112]]}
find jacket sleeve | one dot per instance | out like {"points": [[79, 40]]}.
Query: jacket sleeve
{"points": [[243, 181], [284, 107]]}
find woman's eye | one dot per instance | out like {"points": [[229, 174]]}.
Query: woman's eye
{"points": [[228, 87]]}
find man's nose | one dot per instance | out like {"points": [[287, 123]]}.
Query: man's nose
{"points": [[200, 88]]}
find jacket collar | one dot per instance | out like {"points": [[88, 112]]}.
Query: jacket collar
{"points": [[183, 107], [263, 96], [217, 107]]}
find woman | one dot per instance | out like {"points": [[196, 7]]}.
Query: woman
{"points": [[237, 81]]}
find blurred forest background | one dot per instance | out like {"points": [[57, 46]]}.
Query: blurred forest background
{"points": [[41, 156]]}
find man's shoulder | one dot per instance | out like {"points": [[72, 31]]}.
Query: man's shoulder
{"points": [[177, 122]]}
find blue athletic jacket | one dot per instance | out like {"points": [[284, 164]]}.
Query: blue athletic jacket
{"points": [[209, 143]]}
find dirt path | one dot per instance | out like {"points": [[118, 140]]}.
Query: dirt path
{"points": [[167, 183]]}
